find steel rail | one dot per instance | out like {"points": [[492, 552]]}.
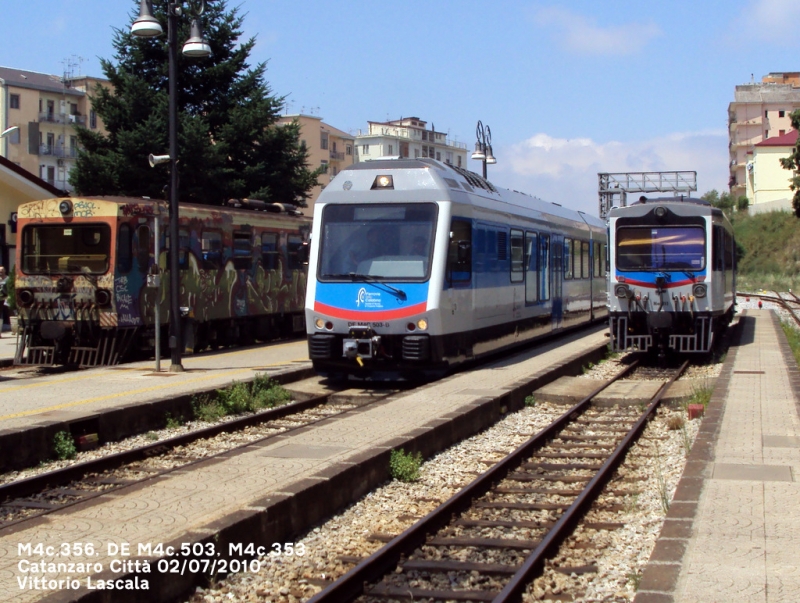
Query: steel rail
{"points": [[534, 564], [784, 303], [351, 585]]}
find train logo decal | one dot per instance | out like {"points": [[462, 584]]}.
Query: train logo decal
{"points": [[369, 300]]}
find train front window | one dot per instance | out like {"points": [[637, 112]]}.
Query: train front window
{"points": [[661, 248], [60, 249], [387, 241]]}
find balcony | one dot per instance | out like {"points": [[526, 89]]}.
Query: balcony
{"points": [[62, 118], [337, 156], [57, 151]]}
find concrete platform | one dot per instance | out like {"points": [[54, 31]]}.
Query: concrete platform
{"points": [[271, 491], [116, 402], [570, 390], [732, 534]]}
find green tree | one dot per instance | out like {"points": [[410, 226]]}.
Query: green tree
{"points": [[792, 162], [228, 143]]}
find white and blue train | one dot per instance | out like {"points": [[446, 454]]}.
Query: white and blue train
{"points": [[417, 266], [672, 275]]}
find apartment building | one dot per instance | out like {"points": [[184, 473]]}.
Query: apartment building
{"points": [[327, 147], [759, 111], [45, 109], [766, 179], [408, 137]]}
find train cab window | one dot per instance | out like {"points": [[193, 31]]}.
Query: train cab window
{"points": [[73, 248], [143, 247], [242, 251], [585, 273], [459, 255], [211, 251], [269, 250], [294, 252], [124, 253], [660, 248], [517, 257], [568, 259], [544, 263], [531, 262], [377, 240]]}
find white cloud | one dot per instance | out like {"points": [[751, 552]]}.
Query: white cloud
{"points": [[565, 170], [773, 21], [583, 36]]}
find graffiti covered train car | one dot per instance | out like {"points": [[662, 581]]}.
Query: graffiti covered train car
{"points": [[82, 277]]}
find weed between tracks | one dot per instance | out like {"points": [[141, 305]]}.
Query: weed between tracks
{"points": [[405, 466], [793, 337], [240, 398]]}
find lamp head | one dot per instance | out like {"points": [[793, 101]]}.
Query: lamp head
{"points": [[146, 25], [196, 45], [479, 154], [490, 157]]}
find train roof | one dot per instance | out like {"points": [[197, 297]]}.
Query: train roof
{"points": [[684, 206], [107, 206], [454, 182]]}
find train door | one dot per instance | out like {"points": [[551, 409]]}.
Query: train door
{"points": [[557, 273], [531, 263]]}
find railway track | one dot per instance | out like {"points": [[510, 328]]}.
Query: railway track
{"points": [[45, 493], [781, 301], [491, 540]]}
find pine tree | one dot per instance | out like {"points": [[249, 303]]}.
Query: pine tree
{"points": [[228, 143]]}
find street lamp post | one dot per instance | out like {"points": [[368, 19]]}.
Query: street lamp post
{"points": [[147, 26], [483, 147]]}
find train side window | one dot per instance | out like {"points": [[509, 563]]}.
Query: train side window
{"points": [[143, 247], [517, 257], [585, 272], [604, 259], [242, 251], [211, 249], [294, 251], [568, 274], [531, 260], [459, 254], [597, 257], [717, 253], [124, 252], [544, 263], [269, 250]]}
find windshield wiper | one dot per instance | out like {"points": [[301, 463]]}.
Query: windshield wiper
{"points": [[373, 280]]}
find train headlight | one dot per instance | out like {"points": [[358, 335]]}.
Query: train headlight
{"points": [[102, 297], [319, 323], [661, 212], [422, 324], [621, 291], [65, 207], [383, 183], [25, 298], [699, 290]]}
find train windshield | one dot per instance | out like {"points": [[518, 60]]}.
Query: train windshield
{"points": [[381, 242], [60, 249], [661, 248]]}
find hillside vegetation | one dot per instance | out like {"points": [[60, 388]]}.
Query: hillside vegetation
{"points": [[771, 245]]}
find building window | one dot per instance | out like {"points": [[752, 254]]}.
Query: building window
{"points": [[438, 156], [766, 134], [13, 138], [323, 142], [324, 165], [391, 150], [766, 113], [365, 149], [13, 101], [459, 160], [781, 113], [348, 149], [781, 132], [448, 157], [424, 135], [92, 119]]}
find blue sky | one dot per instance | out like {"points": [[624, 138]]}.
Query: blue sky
{"points": [[568, 88]]}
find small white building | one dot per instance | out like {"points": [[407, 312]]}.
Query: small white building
{"points": [[767, 180], [409, 137]]}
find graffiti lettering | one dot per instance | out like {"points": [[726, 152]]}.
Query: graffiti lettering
{"points": [[134, 209], [39, 209], [84, 209]]}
